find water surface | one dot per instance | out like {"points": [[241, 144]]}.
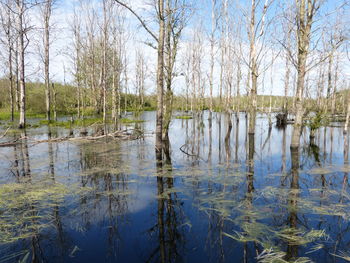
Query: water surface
{"points": [[220, 196]]}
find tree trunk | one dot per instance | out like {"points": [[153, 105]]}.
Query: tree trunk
{"points": [[10, 47], [212, 55], [286, 86], [17, 92], [54, 102], [160, 75], [253, 71], [114, 87], [11, 85], [104, 62], [347, 116], [168, 69], [22, 114], [303, 39], [47, 14]]}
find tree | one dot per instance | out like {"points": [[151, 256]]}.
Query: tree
{"points": [[140, 77], [7, 21], [306, 10], [160, 64], [21, 31], [46, 11], [176, 19], [212, 52]]}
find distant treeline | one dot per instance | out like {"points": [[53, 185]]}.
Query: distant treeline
{"points": [[66, 103]]}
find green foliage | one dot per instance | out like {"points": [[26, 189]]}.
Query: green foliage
{"points": [[317, 121]]}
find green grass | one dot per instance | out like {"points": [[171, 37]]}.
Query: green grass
{"points": [[129, 121], [184, 117], [83, 123], [76, 123]]}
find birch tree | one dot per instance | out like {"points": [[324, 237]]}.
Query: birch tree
{"points": [[21, 32], [306, 10], [160, 17], [9, 42], [46, 12]]}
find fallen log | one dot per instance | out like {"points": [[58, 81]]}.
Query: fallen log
{"points": [[120, 135]]}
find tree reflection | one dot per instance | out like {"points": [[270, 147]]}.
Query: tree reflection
{"points": [[167, 215], [292, 249]]}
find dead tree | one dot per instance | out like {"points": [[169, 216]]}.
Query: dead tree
{"points": [[140, 78], [212, 40], [46, 11], [6, 22], [306, 10], [160, 39], [21, 31], [176, 19], [257, 36]]}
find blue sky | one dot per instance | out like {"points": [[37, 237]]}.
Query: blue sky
{"points": [[63, 38]]}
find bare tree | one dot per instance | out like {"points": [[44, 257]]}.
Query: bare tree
{"points": [[170, 18], [212, 40], [105, 36], [21, 31], [306, 10], [176, 19], [46, 11], [140, 77], [118, 44], [9, 41], [257, 50], [76, 30], [159, 5], [346, 126]]}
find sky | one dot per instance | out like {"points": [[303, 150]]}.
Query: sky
{"points": [[61, 53]]}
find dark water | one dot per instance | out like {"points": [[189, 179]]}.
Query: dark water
{"points": [[224, 196]]}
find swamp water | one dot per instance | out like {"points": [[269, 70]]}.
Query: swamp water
{"points": [[221, 196]]}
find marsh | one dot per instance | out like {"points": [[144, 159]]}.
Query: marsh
{"points": [[220, 195]]}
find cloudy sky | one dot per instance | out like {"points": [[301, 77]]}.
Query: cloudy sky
{"points": [[271, 82]]}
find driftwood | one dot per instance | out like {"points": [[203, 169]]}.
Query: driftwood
{"points": [[120, 135]]}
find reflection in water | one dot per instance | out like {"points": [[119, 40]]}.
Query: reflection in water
{"points": [[227, 197], [292, 249], [167, 218]]}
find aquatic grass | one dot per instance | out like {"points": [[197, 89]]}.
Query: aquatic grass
{"points": [[271, 256], [253, 231], [24, 208], [299, 237], [12, 256], [315, 248], [319, 170], [342, 255]]}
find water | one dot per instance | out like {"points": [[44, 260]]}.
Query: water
{"points": [[216, 200]]}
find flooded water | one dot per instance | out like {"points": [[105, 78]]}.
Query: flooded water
{"points": [[221, 196]]}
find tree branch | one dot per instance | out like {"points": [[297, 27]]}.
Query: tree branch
{"points": [[138, 18]]}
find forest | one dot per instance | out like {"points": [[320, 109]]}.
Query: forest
{"points": [[174, 131]]}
